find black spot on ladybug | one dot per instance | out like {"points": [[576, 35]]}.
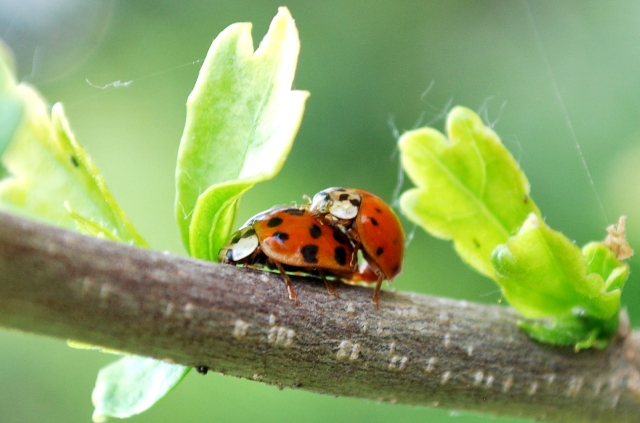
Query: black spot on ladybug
{"points": [[340, 254], [339, 236], [315, 231], [355, 202], [396, 268], [343, 197], [281, 236], [374, 221], [378, 210], [379, 251], [248, 233], [236, 238], [310, 253], [203, 370], [74, 161], [274, 221], [295, 212]]}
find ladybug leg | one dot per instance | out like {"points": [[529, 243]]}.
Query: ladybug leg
{"points": [[375, 298], [353, 235], [355, 242], [330, 288], [365, 273], [369, 274], [354, 257], [287, 281]]}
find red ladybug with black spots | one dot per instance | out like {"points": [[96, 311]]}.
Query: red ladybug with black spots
{"points": [[292, 239], [372, 227]]}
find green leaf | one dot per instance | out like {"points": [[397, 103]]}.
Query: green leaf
{"points": [[10, 106], [132, 384], [213, 218], [10, 117], [542, 273], [242, 117], [573, 329], [469, 187], [84, 346], [471, 190], [49, 176], [601, 260], [7, 70]]}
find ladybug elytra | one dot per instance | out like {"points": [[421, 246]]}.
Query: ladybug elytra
{"points": [[371, 225], [323, 238], [290, 238]]}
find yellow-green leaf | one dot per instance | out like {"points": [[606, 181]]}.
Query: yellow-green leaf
{"points": [[542, 273], [469, 187], [132, 385], [49, 176], [242, 117]]}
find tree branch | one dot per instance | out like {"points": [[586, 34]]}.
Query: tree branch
{"points": [[415, 350]]}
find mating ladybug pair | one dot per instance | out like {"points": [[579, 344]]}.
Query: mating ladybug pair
{"points": [[323, 238]]}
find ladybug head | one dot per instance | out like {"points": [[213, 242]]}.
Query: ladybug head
{"points": [[242, 245], [340, 203]]}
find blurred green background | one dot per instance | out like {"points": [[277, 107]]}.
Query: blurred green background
{"points": [[366, 63]]}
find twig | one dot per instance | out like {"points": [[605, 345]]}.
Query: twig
{"points": [[415, 350]]}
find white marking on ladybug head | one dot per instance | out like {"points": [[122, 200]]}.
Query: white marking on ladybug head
{"points": [[243, 243], [320, 203], [340, 202]]}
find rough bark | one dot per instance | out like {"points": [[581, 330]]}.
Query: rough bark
{"points": [[414, 350]]}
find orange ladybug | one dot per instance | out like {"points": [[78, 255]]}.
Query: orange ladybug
{"points": [[290, 238], [372, 227]]}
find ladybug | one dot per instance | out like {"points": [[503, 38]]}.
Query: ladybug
{"points": [[292, 239], [372, 227]]}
